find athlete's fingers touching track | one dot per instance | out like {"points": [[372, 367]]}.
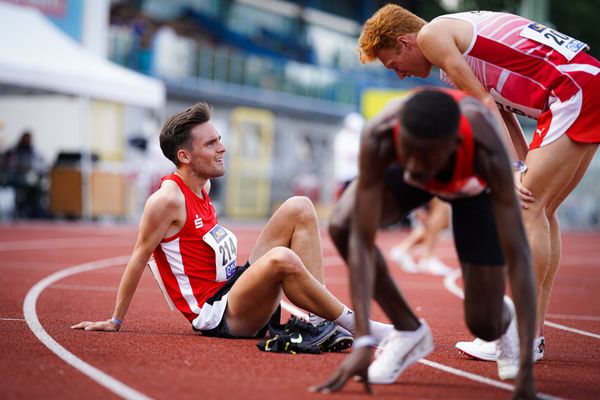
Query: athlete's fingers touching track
{"points": [[524, 194], [355, 364], [107, 326]]}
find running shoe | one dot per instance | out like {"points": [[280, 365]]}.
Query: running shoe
{"points": [[507, 347], [399, 350], [340, 340], [539, 345], [479, 349], [434, 266], [404, 260], [303, 332], [486, 351]]}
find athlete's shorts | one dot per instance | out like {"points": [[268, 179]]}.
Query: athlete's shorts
{"points": [[222, 330], [474, 227], [578, 117]]}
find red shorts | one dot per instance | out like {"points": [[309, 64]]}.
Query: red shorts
{"points": [[578, 117]]}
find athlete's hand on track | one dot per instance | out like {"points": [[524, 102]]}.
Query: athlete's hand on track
{"points": [[106, 326], [356, 364], [524, 194]]}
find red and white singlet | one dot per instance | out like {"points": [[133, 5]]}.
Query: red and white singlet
{"points": [[464, 181], [197, 261], [535, 71]]}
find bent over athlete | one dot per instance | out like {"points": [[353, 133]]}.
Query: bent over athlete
{"points": [[447, 144]]}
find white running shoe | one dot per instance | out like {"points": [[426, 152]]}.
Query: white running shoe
{"points": [[507, 347], [539, 345], [486, 351], [399, 350], [479, 349], [404, 260], [434, 266]]}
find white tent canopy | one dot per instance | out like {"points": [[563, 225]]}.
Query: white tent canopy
{"points": [[36, 54]]}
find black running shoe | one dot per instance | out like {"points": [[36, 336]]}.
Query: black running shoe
{"points": [[302, 332], [339, 341]]}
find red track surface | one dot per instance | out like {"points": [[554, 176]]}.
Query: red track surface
{"points": [[159, 356]]}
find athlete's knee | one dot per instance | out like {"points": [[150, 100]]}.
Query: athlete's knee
{"points": [[284, 262], [300, 209]]}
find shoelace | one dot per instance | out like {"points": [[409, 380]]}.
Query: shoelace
{"points": [[301, 325]]}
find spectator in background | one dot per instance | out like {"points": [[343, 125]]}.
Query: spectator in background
{"points": [[25, 171], [345, 151]]}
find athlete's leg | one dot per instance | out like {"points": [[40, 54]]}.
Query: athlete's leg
{"points": [[554, 171], [255, 295], [294, 225], [484, 289], [437, 220]]}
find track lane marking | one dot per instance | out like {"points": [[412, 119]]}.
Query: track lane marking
{"points": [[451, 285], [29, 311]]}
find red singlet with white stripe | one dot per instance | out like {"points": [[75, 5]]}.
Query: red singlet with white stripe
{"points": [[197, 261], [535, 71], [464, 181]]}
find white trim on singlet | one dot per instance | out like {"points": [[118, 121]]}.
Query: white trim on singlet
{"points": [[564, 115], [590, 69], [172, 253]]}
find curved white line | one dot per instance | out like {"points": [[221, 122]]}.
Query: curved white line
{"points": [[29, 310], [451, 285]]}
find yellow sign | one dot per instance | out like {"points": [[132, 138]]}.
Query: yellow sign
{"points": [[373, 100]]}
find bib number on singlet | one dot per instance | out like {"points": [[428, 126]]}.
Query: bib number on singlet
{"points": [[224, 243], [564, 44]]}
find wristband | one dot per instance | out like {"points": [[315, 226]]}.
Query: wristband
{"points": [[364, 341], [117, 322], [520, 166]]}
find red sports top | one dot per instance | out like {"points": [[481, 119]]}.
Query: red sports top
{"points": [[198, 260], [464, 182], [525, 66]]}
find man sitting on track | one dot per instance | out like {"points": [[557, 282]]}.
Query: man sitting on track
{"points": [[447, 144], [196, 256]]}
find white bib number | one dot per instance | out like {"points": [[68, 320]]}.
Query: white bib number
{"points": [[224, 243], [564, 44]]}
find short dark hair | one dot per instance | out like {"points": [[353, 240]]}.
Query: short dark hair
{"points": [[175, 132], [430, 114]]}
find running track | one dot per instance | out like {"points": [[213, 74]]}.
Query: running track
{"points": [[55, 275]]}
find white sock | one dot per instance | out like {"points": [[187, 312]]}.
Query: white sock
{"points": [[347, 321]]}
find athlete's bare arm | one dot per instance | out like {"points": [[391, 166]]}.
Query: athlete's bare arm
{"points": [[376, 153], [492, 164], [163, 216]]}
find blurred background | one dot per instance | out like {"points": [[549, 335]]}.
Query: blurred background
{"points": [[86, 84]]}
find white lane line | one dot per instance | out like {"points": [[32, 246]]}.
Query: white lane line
{"points": [[572, 330], [11, 319], [29, 310], [480, 379], [574, 317], [451, 285]]}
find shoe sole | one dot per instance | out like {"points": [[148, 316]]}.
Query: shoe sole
{"points": [[337, 345], [422, 349], [474, 355]]}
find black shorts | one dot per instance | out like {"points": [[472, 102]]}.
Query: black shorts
{"points": [[222, 330], [473, 223]]}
